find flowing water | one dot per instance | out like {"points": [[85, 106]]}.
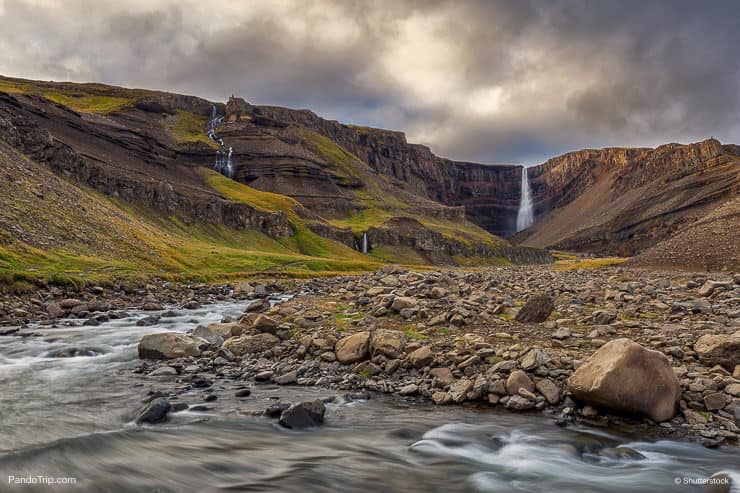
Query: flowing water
{"points": [[525, 215], [70, 417], [223, 155]]}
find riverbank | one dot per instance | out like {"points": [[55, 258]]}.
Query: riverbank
{"points": [[451, 337]]}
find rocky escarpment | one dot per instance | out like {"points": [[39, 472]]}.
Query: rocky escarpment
{"points": [[442, 250], [624, 201], [487, 194], [41, 145]]}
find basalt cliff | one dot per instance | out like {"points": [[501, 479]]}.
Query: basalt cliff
{"points": [[107, 179]]}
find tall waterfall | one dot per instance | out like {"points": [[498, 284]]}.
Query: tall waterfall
{"points": [[223, 155], [525, 216], [365, 246]]}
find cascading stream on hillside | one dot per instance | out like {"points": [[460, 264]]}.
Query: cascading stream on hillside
{"points": [[525, 215], [223, 155]]}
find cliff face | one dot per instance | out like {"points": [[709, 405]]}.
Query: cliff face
{"points": [[151, 181], [624, 201]]}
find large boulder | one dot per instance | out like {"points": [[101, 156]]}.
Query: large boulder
{"points": [[248, 344], [387, 342], [168, 345], [625, 377], [536, 310], [421, 357], [263, 323], [723, 350], [354, 348]]}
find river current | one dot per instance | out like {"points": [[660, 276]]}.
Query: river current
{"points": [[70, 417]]}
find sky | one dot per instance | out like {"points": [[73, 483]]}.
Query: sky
{"points": [[513, 81]]}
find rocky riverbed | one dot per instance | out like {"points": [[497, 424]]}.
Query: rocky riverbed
{"points": [[509, 338]]}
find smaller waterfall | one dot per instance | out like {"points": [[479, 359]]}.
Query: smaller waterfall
{"points": [[365, 245], [223, 156], [525, 215]]}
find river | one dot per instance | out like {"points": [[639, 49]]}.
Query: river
{"points": [[69, 417]]}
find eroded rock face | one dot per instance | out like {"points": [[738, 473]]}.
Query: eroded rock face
{"points": [[354, 348], [168, 345], [248, 344], [723, 350], [625, 377]]}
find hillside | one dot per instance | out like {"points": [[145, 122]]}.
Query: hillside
{"points": [[626, 201], [109, 181]]}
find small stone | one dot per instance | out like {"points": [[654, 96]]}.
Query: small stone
{"points": [[441, 398], [519, 403], [459, 389], [243, 393], [716, 401], [409, 389]]}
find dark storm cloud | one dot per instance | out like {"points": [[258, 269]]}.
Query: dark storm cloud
{"points": [[489, 81]]}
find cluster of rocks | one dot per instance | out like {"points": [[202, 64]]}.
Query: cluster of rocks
{"points": [[98, 303], [589, 344]]}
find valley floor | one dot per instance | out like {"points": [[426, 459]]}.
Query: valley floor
{"points": [[448, 335]]}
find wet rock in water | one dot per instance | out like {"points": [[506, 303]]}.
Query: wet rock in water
{"points": [[247, 344], [264, 376], [308, 414], [154, 412], [167, 345], [621, 453], [421, 357], [177, 407], [275, 410], [210, 397], [191, 305], [723, 350], [201, 383], [151, 307], [73, 352], [148, 321], [6, 331], [353, 348], [263, 323], [170, 314], [243, 393], [536, 310], [387, 342], [625, 377]]}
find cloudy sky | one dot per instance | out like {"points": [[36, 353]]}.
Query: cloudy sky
{"points": [[510, 81]]}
